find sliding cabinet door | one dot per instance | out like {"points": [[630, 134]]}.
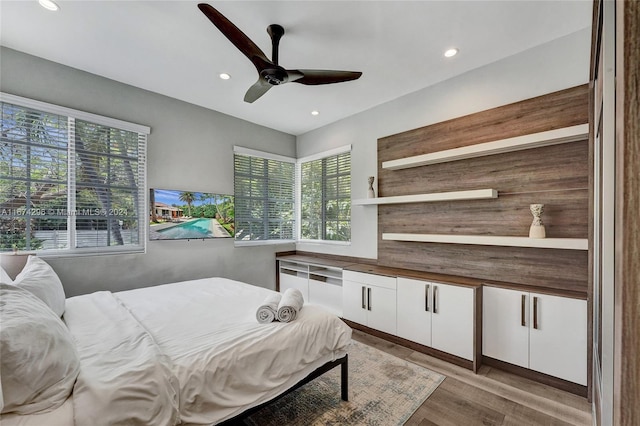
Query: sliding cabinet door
{"points": [[603, 117]]}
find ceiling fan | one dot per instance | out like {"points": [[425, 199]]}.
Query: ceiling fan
{"points": [[270, 73]]}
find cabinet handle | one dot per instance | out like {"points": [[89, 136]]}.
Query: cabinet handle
{"points": [[363, 303], [535, 313], [523, 303], [435, 305], [426, 297], [369, 298]]}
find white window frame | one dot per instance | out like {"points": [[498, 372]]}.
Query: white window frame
{"points": [[268, 156], [299, 161], [73, 115]]}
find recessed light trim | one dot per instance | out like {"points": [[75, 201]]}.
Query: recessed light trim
{"points": [[314, 112], [224, 76], [49, 5], [449, 53]]}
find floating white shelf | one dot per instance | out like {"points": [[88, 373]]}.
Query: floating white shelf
{"points": [[534, 140], [549, 243], [476, 194]]}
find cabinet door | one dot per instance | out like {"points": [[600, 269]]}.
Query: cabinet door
{"points": [[452, 320], [414, 310], [558, 337], [299, 281], [353, 300], [503, 335], [327, 295], [381, 309], [370, 279]]}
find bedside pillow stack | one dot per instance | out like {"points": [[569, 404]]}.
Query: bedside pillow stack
{"points": [[38, 357], [41, 280]]}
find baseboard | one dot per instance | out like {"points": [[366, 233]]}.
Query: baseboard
{"points": [[555, 382], [464, 363]]}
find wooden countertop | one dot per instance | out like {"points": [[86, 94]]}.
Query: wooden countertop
{"points": [[352, 264], [316, 261], [408, 273]]}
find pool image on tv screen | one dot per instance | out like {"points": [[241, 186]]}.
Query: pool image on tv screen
{"points": [[186, 215]]}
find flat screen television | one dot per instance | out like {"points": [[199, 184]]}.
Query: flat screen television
{"points": [[187, 215]]}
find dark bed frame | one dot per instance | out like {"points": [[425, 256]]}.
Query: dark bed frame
{"points": [[344, 388]]}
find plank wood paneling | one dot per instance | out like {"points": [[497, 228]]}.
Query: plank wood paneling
{"points": [[627, 280], [509, 215], [557, 176], [553, 269], [550, 168], [553, 111]]}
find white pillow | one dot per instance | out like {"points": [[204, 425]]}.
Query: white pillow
{"points": [[38, 358], [4, 277], [40, 279]]}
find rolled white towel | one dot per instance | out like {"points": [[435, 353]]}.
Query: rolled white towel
{"points": [[268, 311], [290, 304]]}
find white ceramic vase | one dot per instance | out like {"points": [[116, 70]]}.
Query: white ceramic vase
{"points": [[537, 227]]}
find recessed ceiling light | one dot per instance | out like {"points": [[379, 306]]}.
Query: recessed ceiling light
{"points": [[49, 5], [315, 112], [225, 76], [451, 52]]}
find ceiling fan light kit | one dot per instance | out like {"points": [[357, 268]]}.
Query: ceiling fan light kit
{"points": [[270, 73]]}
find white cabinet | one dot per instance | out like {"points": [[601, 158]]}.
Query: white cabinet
{"points": [[326, 292], [319, 284], [437, 315], [541, 332], [558, 337], [414, 310], [293, 275], [370, 300], [354, 306], [505, 331]]}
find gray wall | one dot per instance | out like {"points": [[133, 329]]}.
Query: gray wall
{"points": [[189, 148]]}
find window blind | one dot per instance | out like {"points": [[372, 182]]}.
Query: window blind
{"points": [[325, 194], [69, 184], [264, 197]]}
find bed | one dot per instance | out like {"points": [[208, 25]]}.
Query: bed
{"points": [[183, 353]]}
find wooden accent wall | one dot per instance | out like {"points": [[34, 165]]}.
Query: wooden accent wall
{"points": [[557, 176], [627, 280]]}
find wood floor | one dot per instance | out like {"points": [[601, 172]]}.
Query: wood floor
{"points": [[491, 397]]}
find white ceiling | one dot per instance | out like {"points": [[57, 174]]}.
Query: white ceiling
{"points": [[170, 47]]}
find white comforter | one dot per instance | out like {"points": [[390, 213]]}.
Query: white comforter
{"points": [[124, 376], [190, 352]]}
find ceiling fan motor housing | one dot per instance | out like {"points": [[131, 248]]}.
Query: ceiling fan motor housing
{"points": [[275, 76]]}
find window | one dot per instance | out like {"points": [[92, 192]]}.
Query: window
{"points": [[325, 195], [264, 186], [70, 181]]}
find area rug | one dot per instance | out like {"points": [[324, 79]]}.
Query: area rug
{"points": [[383, 390]]}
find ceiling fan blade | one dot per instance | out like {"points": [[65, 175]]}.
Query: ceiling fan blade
{"points": [[313, 77], [257, 90], [237, 37]]}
